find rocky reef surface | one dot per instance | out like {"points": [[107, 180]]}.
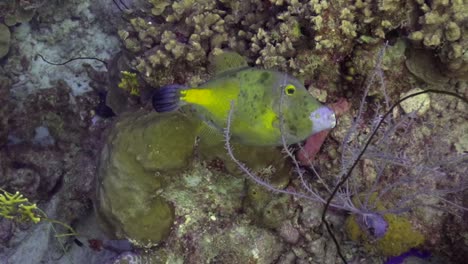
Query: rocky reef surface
{"points": [[81, 142]]}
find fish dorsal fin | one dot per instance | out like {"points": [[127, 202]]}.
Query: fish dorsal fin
{"points": [[227, 61], [209, 135]]}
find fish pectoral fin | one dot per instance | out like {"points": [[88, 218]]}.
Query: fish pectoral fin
{"points": [[167, 98], [210, 135]]}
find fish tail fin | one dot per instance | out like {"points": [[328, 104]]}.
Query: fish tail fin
{"points": [[167, 98]]}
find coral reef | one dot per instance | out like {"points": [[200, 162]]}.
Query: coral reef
{"points": [[53, 34], [150, 185], [268, 162], [174, 37], [174, 42], [418, 104], [164, 147], [441, 27], [398, 167], [163, 183], [136, 164], [56, 174], [266, 208], [422, 145], [16, 11], [398, 237], [120, 93]]}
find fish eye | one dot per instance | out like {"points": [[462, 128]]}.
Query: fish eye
{"points": [[290, 89]]}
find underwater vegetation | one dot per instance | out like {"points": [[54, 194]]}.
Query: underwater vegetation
{"points": [[413, 179], [398, 180], [306, 38], [16, 206], [171, 189]]}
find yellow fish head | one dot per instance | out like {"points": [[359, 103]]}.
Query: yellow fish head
{"points": [[300, 113]]}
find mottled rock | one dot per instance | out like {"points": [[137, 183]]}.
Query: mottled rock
{"points": [[4, 40], [419, 103], [289, 233]]}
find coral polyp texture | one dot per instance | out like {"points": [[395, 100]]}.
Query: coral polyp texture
{"points": [[306, 38], [443, 28]]}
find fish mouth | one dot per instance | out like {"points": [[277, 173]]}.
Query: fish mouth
{"points": [[322, 119]]}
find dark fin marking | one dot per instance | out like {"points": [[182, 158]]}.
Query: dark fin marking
{"points": [[167, 98]]}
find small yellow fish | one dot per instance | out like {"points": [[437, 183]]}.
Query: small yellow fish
{"points": [[263, 100]]}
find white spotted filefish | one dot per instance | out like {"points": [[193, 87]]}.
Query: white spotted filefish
{"points": [[266, 103]]}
